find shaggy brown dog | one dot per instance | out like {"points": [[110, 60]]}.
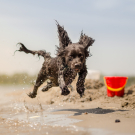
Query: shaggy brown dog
{"points": [[61, 70]]}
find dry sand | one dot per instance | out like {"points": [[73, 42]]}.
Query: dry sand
{"points": [[95, 111]]}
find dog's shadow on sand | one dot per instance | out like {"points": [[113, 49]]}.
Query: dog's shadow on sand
{"points": [[93, 110]]}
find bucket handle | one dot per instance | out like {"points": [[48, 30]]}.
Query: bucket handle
{"points": [[115, 89]]}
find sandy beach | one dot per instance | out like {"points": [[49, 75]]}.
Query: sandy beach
{"points": [[51, 113]]}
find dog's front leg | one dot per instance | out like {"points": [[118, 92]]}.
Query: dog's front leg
{"points": [[61, 81], [40, 80], [81, 80]]}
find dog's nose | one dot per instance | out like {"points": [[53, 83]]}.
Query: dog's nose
{"points": [[77, 65]]}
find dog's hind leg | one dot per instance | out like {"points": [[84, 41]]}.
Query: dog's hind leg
{"points": [[40, 79], [47, 87]]}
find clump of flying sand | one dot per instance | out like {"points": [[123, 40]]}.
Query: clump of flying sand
{"points": [[95, 93]]}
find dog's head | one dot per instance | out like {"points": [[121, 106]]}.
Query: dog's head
{"points": [[73, 54]]}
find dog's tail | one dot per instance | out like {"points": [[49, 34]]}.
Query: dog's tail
{"points": [[42, 53]]}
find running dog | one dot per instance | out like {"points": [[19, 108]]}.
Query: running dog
{"points": [[62, 69]]}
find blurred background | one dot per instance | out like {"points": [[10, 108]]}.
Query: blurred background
{"points": [[110, 22]]}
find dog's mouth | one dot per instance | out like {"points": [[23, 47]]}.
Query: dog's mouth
{"points": [[77, 69]]}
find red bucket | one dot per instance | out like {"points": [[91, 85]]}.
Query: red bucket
{"points": [[115, 85]]}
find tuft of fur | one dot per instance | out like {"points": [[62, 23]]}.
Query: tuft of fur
{"points": [[86, 42], [64, 40]]}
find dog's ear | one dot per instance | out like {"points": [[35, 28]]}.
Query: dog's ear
{"points": [[86, 41], [64, 40]]}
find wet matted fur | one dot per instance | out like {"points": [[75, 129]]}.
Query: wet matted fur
{"points": [[62, 69]]}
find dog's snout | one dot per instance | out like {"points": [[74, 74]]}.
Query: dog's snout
{"points": [[77, 65]]}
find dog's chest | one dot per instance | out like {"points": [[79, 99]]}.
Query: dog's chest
{"points": [[69, 75]]}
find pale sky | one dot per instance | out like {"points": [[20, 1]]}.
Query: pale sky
{"points": [[110, 22]]}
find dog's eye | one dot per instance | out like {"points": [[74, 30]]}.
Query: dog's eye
{"points": [[80, 55], [70, 58]]}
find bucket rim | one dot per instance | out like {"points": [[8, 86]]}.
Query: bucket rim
{"points": [[115, 77]]}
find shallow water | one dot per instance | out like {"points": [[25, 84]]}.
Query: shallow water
{"points": [[45, 117], [18, 117], [37, 113], [21, 116]]}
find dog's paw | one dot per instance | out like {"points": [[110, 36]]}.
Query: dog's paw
{"points": [[65, 91], [81, 92], [81, 95], [45, 89], [32, 95]]}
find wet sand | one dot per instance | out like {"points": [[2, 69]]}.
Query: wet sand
{"points": [[51, 113]]}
